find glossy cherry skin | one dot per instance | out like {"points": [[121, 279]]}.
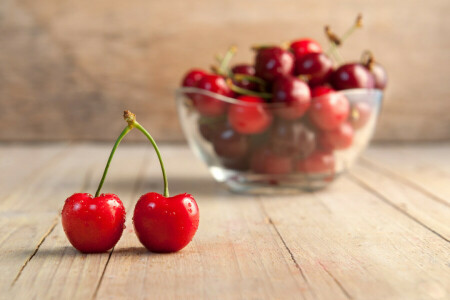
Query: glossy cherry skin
{"points": [[294, 95], [360, 115], [209, 105], [328, 110], [245, 69], [339, 138], [230, 144], [250, 117], [318, 162], [266, 161], [165, 224], [317, 67], [273, 62], [292, 139], [193, 77], [93, 224], [379, 74], [352, 76], [305, 46]]}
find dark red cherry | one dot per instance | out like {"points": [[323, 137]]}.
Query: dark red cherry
{"points": [[229, 144], [192, 78], [318, 162], [250, 117], [245, 69], [294, 96], [273, 62], [210, 105], [208, 127], [321, 90], [339, 138], [292, 139], [305, 46], [379, 74], [352, 76], [317, 67], [266, 161], [328, 110], [360, 114]]}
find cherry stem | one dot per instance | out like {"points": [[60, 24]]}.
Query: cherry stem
{"points": [[349, 32], [131, 120], [223, 68], [116, 144], [243, 91]]}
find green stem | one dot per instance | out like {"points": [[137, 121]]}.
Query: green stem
{"points": [[243, 91], [223, 68], [145, 132], [119, 139]]}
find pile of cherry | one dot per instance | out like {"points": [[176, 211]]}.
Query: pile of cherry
{"points": [[288, 114]]}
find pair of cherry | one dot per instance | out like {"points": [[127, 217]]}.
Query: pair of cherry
{"points": [[162, 223]]}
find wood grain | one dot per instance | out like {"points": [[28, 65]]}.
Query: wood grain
{"points": [[68, 68], [374, 234]]}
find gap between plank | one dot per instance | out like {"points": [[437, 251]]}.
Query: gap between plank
{"points": [[297, 265], [371, 190], [377, 168], [136, 187], [41, 241], [336, 281]]}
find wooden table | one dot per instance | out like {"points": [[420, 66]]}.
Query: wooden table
{"points": [[381, 232]]}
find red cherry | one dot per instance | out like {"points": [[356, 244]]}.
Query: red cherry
{"points": [[352, 76], [292, 139], [273, 62], [208, 127], [317, 67], [360, 115], [229, 144], [318, 162], [210, 105], [305, 46], [250, 117], [380, 75], [93, 224], [192, 78], [329, 110], [294, 94], [266, 161], [321, 90], [245, 69], [339, 138], [165, 224]]}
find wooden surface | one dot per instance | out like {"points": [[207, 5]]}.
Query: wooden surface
{"points": [[380, 232], [68, 67]]}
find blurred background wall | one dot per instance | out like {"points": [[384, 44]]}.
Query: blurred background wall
{"points": [[68, 68]]}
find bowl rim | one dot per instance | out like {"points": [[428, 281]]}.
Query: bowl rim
{"points": [[350, 92]]}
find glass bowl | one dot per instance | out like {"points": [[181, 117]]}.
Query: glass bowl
{"points": [[288, 156]]}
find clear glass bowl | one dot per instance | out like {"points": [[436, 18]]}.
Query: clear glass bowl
{"points": [[286, 157]]}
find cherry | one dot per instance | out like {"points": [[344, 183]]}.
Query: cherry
{"points": [[360, 114], [245, 69], [329, 109], [250, 117], [352, 76], [292, 139], [238, 164], [208, 127], [273, 62], [305, 46], [192, 78], [318, 162], [317, 67], [339, 138], [380, 76], [295, 96], [210, 105], [266, 161], [165, 224], [229, 144], [93, 224]]}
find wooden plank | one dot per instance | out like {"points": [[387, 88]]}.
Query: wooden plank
{"points": [[369, 249], [235, 254], [412, 202], [57, 270], [425, 167]]}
